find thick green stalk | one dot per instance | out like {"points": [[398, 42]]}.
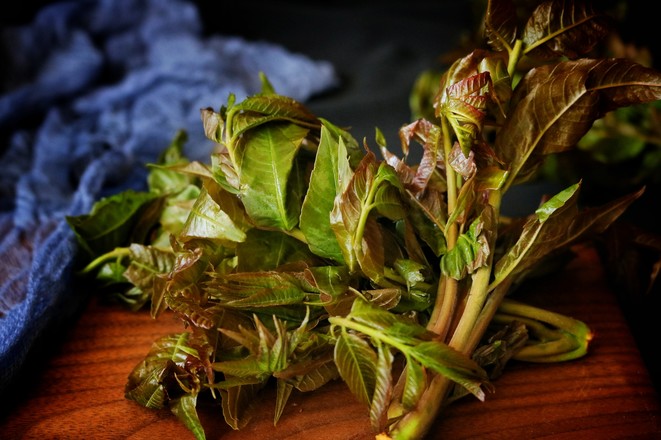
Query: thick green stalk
{"points": [[446, 299], [446, 295], [489, 310], [479, 290], [416, 423], [476, 300]]}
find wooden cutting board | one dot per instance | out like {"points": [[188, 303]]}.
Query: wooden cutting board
{"points": [[77, 393]]}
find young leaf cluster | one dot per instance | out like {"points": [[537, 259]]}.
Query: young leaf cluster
{"points": [[298, 255]]}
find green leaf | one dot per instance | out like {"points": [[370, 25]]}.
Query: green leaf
{"points": [[250, 368], [224, 173], [147, 263], [191, 311], [267, 87], [355, 152], [272, 352], [428, 217], [284, 390], [326, 183], [190, 266], [208, 220], [175, 213], [469, 253], [411, 271], [415, 380], [237, 403], [383, 389], [354, 217], [152, 381], [333, 284], [387, 201], [184, 408], [265, 108], [414, 341], [267, 160], [258, 289], [383, 321], [265, 250], [112, 221], [463, 105], [112, 272], [161, 178], [513, 261], [147, 270], [147, 390], [557, 224], [452, 364], [317, 377], [357, 365]]}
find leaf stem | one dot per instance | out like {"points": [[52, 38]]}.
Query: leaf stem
{"points": [[514, 57], [297, 234], [559, 337], [415, 424], [369, 331], [362, 220], [118, 253], [451, 182]]}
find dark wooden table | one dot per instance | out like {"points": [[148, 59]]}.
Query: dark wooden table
{"points": [[78, 394]]}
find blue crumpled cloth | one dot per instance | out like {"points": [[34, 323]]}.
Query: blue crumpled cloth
{"points": [[97, 90]]}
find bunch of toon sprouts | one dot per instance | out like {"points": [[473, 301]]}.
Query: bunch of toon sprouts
{"points": [[297, 256]]}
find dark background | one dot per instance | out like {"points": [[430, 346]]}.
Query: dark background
{"points": [[378, 49]]}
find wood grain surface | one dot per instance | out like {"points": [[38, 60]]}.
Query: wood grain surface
{"points": [[78, 392]]}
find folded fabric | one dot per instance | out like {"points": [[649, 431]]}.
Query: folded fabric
{"points": [[97, 90]]}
